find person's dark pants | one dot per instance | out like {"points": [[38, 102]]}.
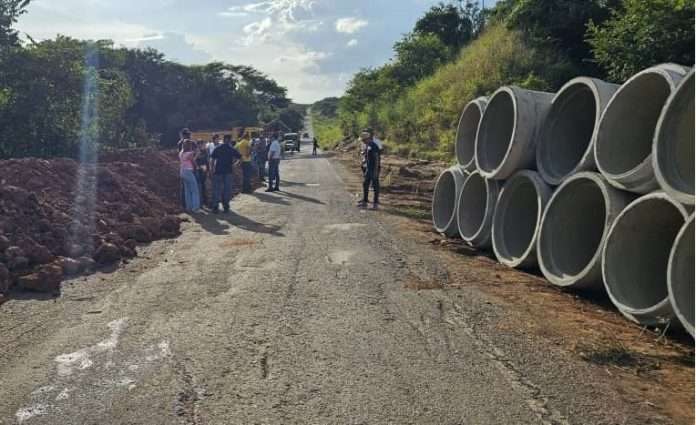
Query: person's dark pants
{"points": [[262, 169], [371, 179], [201, 176], [222, 191], [314, 151], [246, 176], [274, 174]]}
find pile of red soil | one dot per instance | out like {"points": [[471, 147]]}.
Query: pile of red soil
{"points": [[46, 228]]}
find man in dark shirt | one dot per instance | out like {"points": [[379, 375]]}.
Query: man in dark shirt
{"points": [[223, 159], [202, 170], [371, 167]]}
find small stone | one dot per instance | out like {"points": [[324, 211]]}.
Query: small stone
{"points": [[71, 267], [87, 264], [46, 280]]}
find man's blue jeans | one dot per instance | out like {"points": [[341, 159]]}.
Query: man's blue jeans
{"points": [[222, 191], [274, 174]]}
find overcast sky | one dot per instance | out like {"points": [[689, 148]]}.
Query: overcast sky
{"points": [[312, 47]]}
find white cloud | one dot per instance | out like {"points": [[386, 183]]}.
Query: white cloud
{"points": [[350, 25], [352, 43]]}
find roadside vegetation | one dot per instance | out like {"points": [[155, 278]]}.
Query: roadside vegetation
{"points": [[456, 53], [143, 98]]}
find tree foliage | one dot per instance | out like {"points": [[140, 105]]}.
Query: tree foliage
{"points": [[455, 25], [10, 10], [642, 33], [142, 98]]}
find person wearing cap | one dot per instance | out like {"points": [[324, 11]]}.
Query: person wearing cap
{"points": [[371, 166], [223, 159]]}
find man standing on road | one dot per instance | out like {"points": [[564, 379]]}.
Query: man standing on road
{"points": [[222, 160], [371, 165], [202, 162], [315, 145], [274, 166], [244, 148], [260, 155]]}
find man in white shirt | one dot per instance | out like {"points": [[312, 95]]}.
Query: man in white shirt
{"points": [[274, 154]]}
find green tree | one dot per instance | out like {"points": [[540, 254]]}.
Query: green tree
{"points": [[560, 24], [10, 10], [417, 56], [643, 33], [455, 26]]}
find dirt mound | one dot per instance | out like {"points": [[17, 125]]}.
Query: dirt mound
{"points": [[56, 215]]}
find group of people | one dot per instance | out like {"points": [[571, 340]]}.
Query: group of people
{"points": [[215, 161]]}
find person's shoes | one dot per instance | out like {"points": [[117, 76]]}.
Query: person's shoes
{"points": [[215, 211], [362, 204], [375, 206], [269, 190]]}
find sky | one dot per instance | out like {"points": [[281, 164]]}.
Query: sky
{"points": [[312, 47]]}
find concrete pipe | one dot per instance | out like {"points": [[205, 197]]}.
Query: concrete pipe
{"points": [[673, 148], [574, 227], [475, 209], [636, 254], [506, 139], [623, 147], [465, 144], [680, 276], [447, 187], [517, 219], [566, 144]]}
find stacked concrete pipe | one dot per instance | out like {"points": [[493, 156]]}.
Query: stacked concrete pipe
{"points": [[673, 148], [517, 219], [465, 143], [623, 147], [475, 209], [636, 255], [680, 276], [574, 228], [506, 139], [566, 142], [444, 206]]}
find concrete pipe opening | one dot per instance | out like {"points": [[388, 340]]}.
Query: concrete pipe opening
{"points": [[623, 147], [465, 144], [573, 230], [506, 139], [517, 219], [680, 276], [674, 144], [444, 201], [475, 210], [566, 143], [635, 257]]}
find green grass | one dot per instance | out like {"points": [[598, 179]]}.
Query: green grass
{"points": [[327, 131]]}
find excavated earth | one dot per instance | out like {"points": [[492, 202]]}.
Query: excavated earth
{"points": [[59, 219]]}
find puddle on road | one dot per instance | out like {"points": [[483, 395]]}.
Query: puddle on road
{"points": [[340, 258]]}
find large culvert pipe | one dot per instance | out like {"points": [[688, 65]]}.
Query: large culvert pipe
{"points": [[673, 148], [517, 219], [623, 147], [447, 188], [574, 227], [566, 142], [635, 257], [475, 209], [680, 276], [506, 139], [465, 144]]}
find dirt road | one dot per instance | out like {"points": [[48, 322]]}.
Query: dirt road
{"points": [[295, 308]]}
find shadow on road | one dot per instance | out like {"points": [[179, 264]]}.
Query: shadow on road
{"points": [[299, 197], [219, 224]]}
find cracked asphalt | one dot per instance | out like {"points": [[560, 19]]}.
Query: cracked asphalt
{"points": [[292, 310]]}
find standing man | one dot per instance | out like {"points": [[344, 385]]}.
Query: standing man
{"points": [[244, 148], [274, 153], [261, 155], [222, 160], [202, 162], [372, 157], [315, 145]]}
